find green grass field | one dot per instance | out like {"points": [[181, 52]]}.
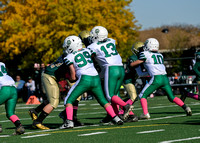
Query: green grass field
{"points": [[168, 123]]}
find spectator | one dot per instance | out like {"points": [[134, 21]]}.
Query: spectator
{"points": [[19, 83], [38, 84], [30, 86]]}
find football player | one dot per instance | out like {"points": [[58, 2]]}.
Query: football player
{"points": [[154, 63], [85, 38], [112, 70], [131, 74], [52, 74], [8, 95], [83, 72], [184, 92]]}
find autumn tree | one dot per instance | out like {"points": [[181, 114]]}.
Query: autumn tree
{"points": [[34, 30]]}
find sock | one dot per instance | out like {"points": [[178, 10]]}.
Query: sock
{"points": [[115, 108], [184, 106], [195, 96], [69, 112], [129, 101], [42, 116], [178, 101], [75, 109], [117, 100], [143, 102], [131, 113], [17, 123], [39, 108], [110, 111], [14, 118]]}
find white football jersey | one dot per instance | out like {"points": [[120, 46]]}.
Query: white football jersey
{"points": [[106, 53], [82, 62], [154, 62], [5, 80]]}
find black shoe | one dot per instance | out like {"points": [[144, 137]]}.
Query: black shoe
{"points": [[77, 123], [127, 109], [184, 94], [19, 130], [132, 118], [107, 119]]}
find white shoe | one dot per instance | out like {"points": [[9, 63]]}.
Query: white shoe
{"points": [[147, 116], [117, 120], [67, 124], [188, 111]]}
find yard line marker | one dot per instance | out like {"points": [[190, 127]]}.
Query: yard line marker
{"points": [[152, 131], [4, 136], [35, 136], [41, 131], [94, 104], [167, 117], [26, 119], [179, 140], [96, 133]]}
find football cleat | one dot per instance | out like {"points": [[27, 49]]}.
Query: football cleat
{"points": [[1, 129], [19, 130], [38, 125], [142, 116], [188, 111], [77, 123], [117, 120], [67, 125], [107, 119], [33, 114], [127, 109], [132, 118]]}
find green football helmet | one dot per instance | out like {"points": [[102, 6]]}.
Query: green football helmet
{"points": [[137, 47], [85, 37]]}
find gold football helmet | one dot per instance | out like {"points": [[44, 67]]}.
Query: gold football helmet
{"points": [[137, 47], [85, 38]]}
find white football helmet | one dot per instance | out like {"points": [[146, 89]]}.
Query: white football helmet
{"points": [[151, 44], [99, 33], [71, 44]]}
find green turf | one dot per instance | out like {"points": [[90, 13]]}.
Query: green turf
{"points": [[168, 119]]}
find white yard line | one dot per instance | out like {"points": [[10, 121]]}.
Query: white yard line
{"points": [[179, 140], [26, 119], [4, 136], [152, 131], [41, 131], [35, 136], [168, 117], [96, 133]]}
